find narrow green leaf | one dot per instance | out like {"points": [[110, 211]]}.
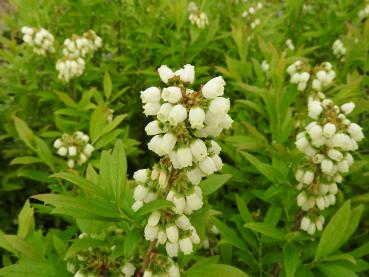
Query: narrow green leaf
{"points": [[334, 231], [267, 170], [32, 269], [131, 242], [291, 260], [24, 248], [107, 85], [24, 132], [82, 244], [214, 270], [153, 206], [228, 235], [265, 229], [213, 182], [26, 160], [330, 269], [26, 222]]}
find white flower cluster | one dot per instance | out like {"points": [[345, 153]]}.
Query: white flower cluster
{"points": [[80, 46], [186, 120], [326, 143], [197, 17], [41, 40], [321, 77], [70, 67], [75, 147], [364, 13], [72, 64], [177, 233], [339, 50], [251, 15]]}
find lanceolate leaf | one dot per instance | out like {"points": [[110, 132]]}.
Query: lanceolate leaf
{"points": [[265, 229], [153, 206], [334, 231], [213, 182], [214, 270]]}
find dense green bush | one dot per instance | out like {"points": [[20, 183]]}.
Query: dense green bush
{"points": [[55, 219]]}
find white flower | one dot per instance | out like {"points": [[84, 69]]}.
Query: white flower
{"points": [[355, 131], [308, 177], [196, 117], [172, 233], [177, 114], [348, 107], [315, 109], [151, 196], [72, 150], [169, 140], [302, 143], [154, 218], [194, 175], [315, 132], [335, 154], [218, 162], [327, 166], [62, 151], [187, 73], [214, 148], [172, 249], [137, 205], [311, 229], [305, 223], [58, 143], [183, 222], [82, 158], [174, 271], [128, 269], [141, 175], [151, 108], [71, 163], [194, 237], [213, 88], [316, 85], [173, 158], [88, 149], [207, 166], [165, 73], [163, 179], [199, 150], [179, 204], [156, 145], [148, 273], [162, 236], [163, 112], [329, 130], [140, 192], [151, 232], [172, 94], [153, 128], [185, 244], [184, 157], [194, 201], [219, 105]]}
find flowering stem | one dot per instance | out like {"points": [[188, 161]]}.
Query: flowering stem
{"points": [[150, 250]]}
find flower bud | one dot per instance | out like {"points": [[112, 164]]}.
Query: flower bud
{"points": [[151, 108], [162, 236], [168, 142], [128, 269], [327, 166], [156, 145], [151, 232], [214, 148], [194, 176], [194, 201], [62, 151], [183, 222], [141, 175], [305, 223], [194, 237], [219, 105], [308, 177], [179, 204], [218, 162], [311, 229], [163, 112], [173, 271], [213, 88], [58, 143], [163, 179], [335, 154], [172, 233], [71, 163], [151, 196], [355, 132], [88, 149], [187, 73], [329, 130], [148, 273]]}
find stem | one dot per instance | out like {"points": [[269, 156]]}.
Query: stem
{"points": [[151, 249]]}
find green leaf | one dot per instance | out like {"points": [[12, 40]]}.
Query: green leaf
{"points": [[59, 245], [355, 217], [153, 206], [343, 256], [331, 269], [131, 242], [26, 222], [80, 181], [82, 244], [361, 251], [26, 160], [107, 85], [32, 269], [334, 231], [213, 182], [24, 248], [291, 260], [243, 210], [214, 270], [118, 171], [228, 235], [267, 170], [265, 229], [77, 207], [66, 99], [24, 132]]}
